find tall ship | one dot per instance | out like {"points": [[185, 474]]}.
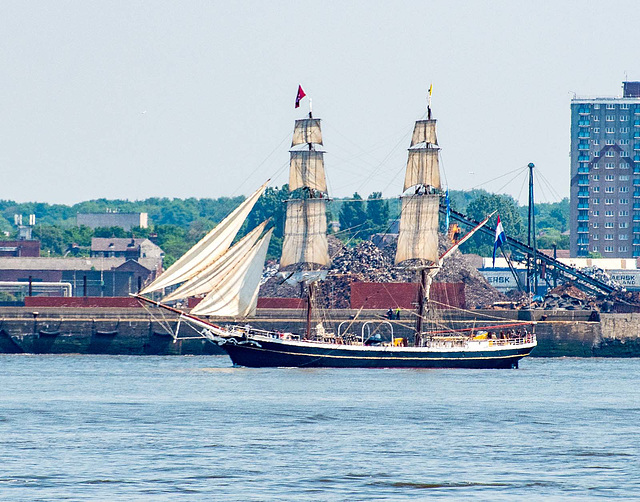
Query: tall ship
{"points": [[229, 276]]}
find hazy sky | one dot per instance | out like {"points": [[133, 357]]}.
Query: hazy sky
{"points": [[135, 99]]}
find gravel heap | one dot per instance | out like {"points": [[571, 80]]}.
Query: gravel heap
{"points": [[368, 263]]}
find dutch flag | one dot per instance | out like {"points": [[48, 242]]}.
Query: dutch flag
{"points": [[501, 238]]}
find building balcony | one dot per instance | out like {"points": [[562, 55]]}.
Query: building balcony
{"points": [[583, 218], [583, 135], [583, 183], [585, 193], [636, 123], [584, 111], [636, 158], [636, 135], [636, 206], [583, 158], [636, 230], [636, 217], [583, 205], [584, 123], [636, 195], [636, 181], [636, 242], [582, 241], [585, 147], [637, 111], [636, 146], [583, 170]]}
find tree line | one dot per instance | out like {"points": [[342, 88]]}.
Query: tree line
{"points": [[177, 224]]}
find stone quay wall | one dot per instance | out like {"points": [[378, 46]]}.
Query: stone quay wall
{"points": [[138, 331]]}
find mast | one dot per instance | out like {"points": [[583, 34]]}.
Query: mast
{"points": [[418, 233], [532, 269], [305, 250]]}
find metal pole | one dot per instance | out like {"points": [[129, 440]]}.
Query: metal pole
{"points": [[532, 230]]}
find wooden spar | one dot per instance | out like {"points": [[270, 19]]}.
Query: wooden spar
{"points": [[309, 307], [421, 297]]}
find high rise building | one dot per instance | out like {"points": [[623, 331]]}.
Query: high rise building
{"points": [[605, 175]]}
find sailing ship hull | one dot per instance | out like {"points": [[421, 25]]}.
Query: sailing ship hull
{"points": [[266, 353]]}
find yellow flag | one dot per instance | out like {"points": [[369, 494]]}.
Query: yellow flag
{"points": [[430, 89]]}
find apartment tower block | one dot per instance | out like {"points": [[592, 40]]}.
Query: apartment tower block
{"points": [[605, 175]]}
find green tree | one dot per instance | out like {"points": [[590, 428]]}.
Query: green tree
{"points": [[506, 208], [353, 217], [377, 212]]}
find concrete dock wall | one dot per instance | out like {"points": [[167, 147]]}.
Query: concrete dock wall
{"points": [[138, 331]]}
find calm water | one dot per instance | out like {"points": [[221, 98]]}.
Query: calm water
{"points": [[194, 428]]}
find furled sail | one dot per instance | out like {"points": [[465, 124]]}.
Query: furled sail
{"points": [[209, 249], [305, 233], [307, 170], [307, 131], [422, 168], [424, 132], [236, 292], [418, 235], [205, 281]]}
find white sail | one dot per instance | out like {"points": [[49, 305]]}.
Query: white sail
{"points": [[205, 281], [307, 131], [424, 132], [418, 235], [236, 293], [422, 168], [305, 233], [307, 170], [208, 249]]}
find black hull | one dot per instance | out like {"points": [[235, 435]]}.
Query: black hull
{"points": [[262, 354]]}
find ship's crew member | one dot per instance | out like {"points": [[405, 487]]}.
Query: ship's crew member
{"points": [[398, 313], [390, 314]]}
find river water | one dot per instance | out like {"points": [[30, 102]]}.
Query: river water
{"points": [[195, 428]]}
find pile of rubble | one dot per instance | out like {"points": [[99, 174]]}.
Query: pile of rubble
{"points": [[366, 262]]}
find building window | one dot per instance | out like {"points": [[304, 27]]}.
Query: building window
{"points": [[595, 177], [596, 118], [610, 118], [595, 166], [595, 224], [596, 201], [596, 130], [623, 177], [608, 237], [624, 189], [595, 213], [596, 142], [624, 153], [608, 202], [622, 249], [594, 237], [623, 224], [608, 249], [623, 237], [611, 106], [608, 214], [610, 142], [624, 130], [609, 130], [610, 153], [595, 189], [624, 117], [624, 106], [608, 224], [624, 201], [624, 165], [610, 177], [623, 213], [596, 106], [624, 141], [609, 189]]}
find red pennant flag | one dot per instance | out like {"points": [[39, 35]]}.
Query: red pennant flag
{"points": [[300, 95]]}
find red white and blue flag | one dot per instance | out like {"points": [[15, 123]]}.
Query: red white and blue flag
{"points": [[500, 239], [300, 95]]}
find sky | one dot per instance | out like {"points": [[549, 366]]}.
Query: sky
{"points": [[137, 99]]}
